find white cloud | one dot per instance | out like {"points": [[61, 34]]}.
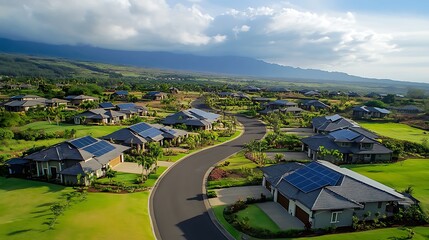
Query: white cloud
{"points": [[136, 24]]}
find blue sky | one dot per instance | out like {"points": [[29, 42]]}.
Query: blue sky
{"points": [[378, 38]]}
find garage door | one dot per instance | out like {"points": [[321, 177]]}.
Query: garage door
{"points": [[302, 215], [283, 201], [115, 161]]}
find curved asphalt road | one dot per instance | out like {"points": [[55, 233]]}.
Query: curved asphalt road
{"points": [[177, 206]]}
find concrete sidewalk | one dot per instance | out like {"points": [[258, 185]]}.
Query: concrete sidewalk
{"points": [[280, 216]]}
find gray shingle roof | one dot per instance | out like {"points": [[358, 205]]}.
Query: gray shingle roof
{"points": [[352, 190], [191, 117], [329, 141], [84, 167]]}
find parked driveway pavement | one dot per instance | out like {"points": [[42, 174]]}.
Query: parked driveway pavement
{"points": [[280, 216], [231, 195]]}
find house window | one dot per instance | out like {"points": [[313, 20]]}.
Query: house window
{"points": [[367, 155], [334, 217], [366, 145], [379, 204]]}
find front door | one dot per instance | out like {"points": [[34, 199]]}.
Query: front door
{"points": [[54, 172]]}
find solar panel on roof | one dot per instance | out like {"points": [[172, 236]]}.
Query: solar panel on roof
{"points": [[334, 118], [140, 127], [313, 176], [100, 148], [345, 134], [83, 141]]}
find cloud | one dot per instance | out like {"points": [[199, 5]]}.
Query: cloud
{"points": [[134, 24]]}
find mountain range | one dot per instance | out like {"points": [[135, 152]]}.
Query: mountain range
{"points": [[230, 65]]}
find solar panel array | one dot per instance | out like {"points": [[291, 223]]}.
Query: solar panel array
{"points": [[145, 130], [313, 176], [83, 141], [100, 148], [140, 127], [345, 134]]}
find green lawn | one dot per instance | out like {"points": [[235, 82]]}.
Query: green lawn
{"points": [[25, 207], [421, 233], [15, 147], [396, 130], [411, 172], [236, 163], [258, 218], [129, 178]]}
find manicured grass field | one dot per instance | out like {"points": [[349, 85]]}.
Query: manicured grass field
{"points": [[258, 218], [400, 175], [15, 147], [129, 178], [396, 130], [25, 207], [421, 233], [236, 162]]}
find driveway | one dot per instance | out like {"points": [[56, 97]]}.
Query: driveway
{"points": [[289, 156], [131, 167], [176, 204], [280, 216], [228, 196]]}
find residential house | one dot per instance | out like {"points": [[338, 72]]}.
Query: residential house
{"points": [[278, 90], [327, 124], [369, 112], [23, 103], [107, 105], [281, 106], [192, 118], [155, 95], [313, 104], [323, 195], [251, 89], [373, 95], [261, 100], [63, 162], [139, 134], [355, 144], [313, 93], [353, 94], [120, 94], [56, 102], [131, 109], [77, 100], [99, 116], [226, 94], [409, 109]]}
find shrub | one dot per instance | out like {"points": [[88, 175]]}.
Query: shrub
{"points": [[6, 134], [211, 194], [217, 174]]}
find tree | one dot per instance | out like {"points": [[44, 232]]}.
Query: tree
{"points": [[416, 93], [375, 103], [390, 98], [110, 174], [149, 158]]}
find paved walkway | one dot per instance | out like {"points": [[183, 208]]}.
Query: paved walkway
{"points": [[165, 164], [231, 195], [280, 216]]}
